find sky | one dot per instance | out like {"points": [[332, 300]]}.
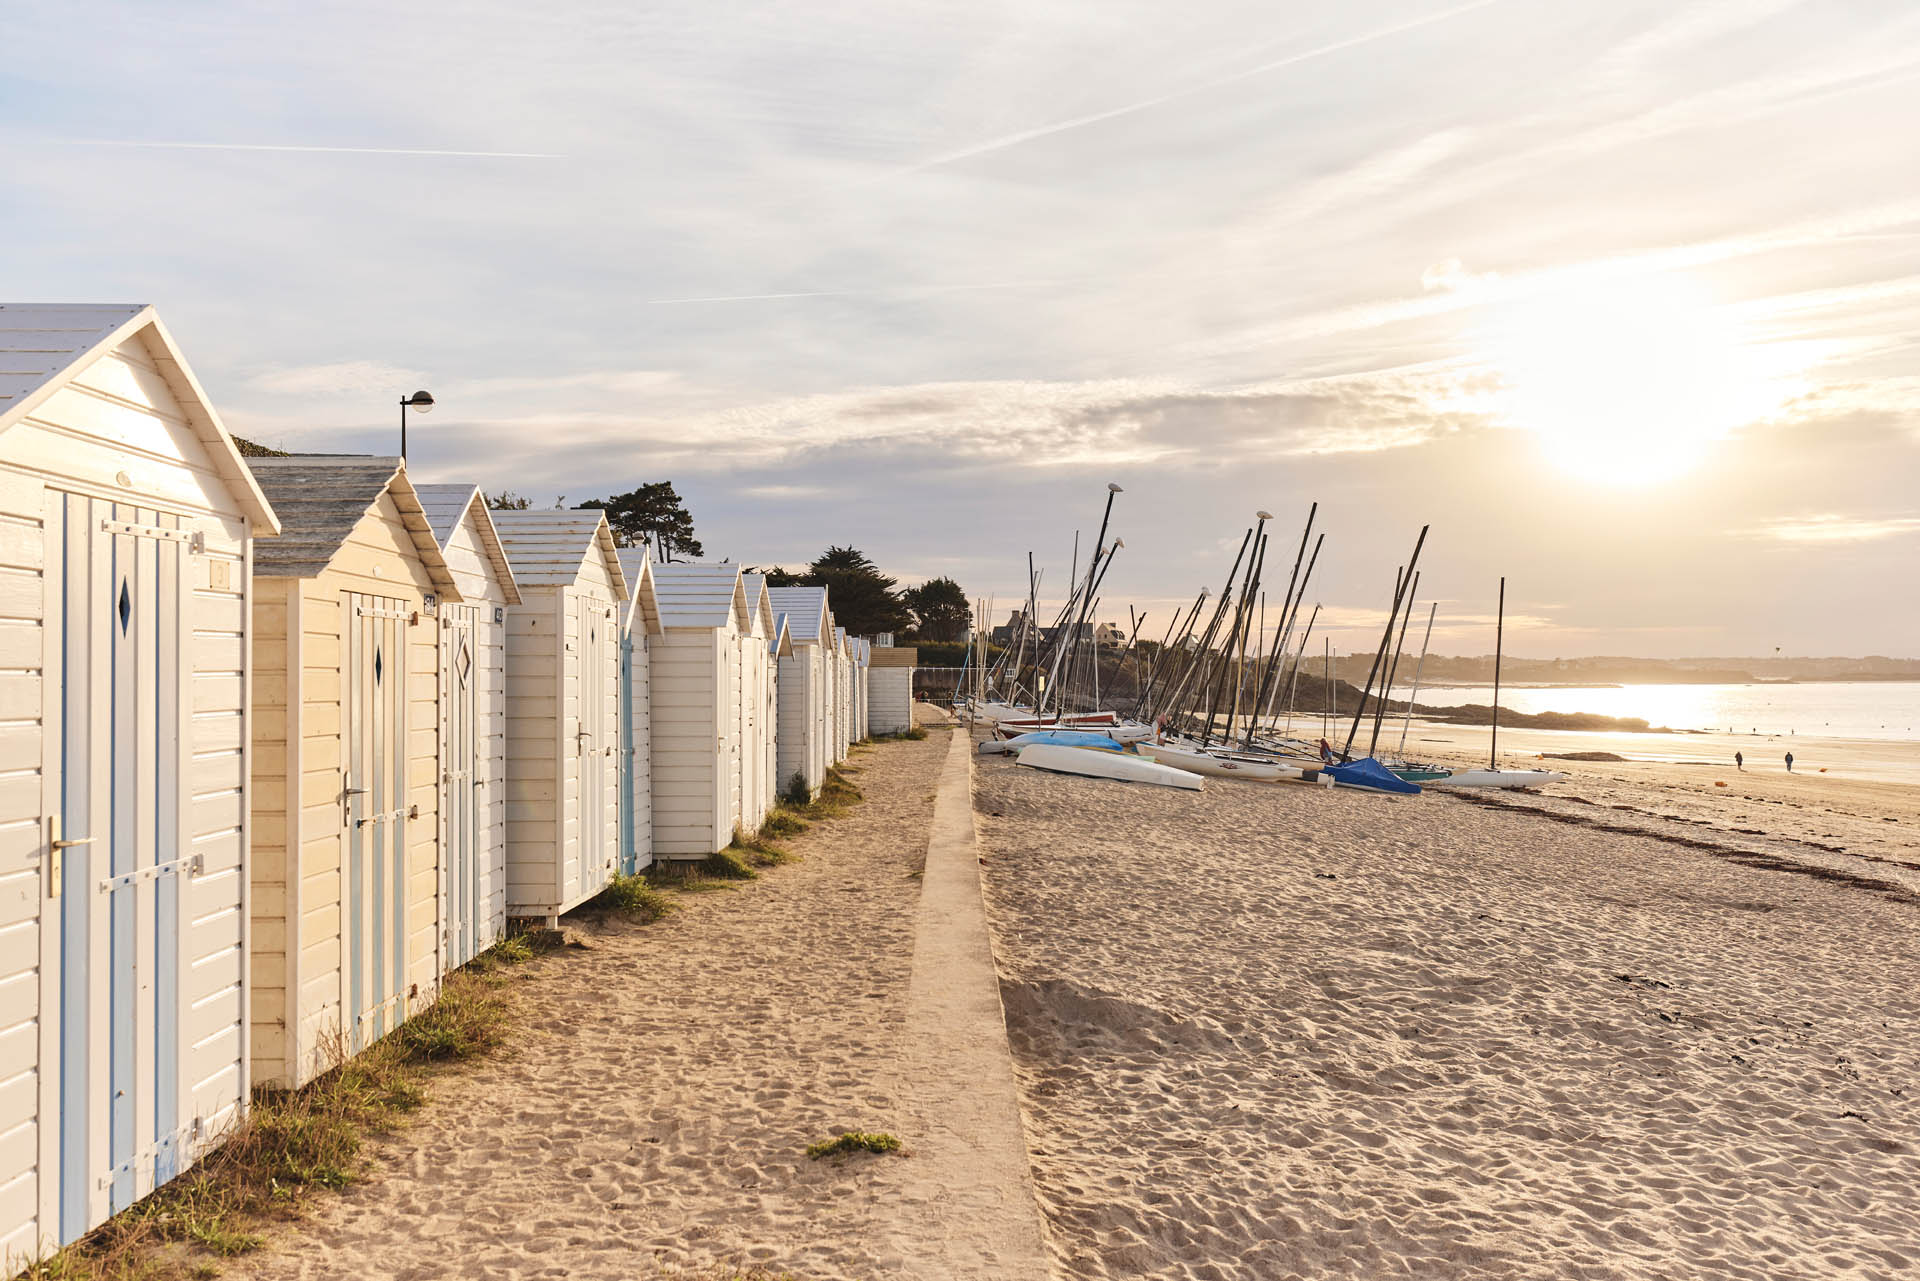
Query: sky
{"points": [[1621, 298]]}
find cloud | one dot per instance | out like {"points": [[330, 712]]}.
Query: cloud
{"points": [[296, 147], [1832, 528], [1005, 141], [355, 379]]}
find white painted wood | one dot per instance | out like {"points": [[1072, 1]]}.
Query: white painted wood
{"points": [[346, 891], [473, 724], [696, 720], [562, 709], [115, 472]]}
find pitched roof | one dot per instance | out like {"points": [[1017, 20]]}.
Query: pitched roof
{"points": [[43, 347], [782, 643], [895, 656], [550, 548], [637, 564], [755, 586], [806, 609], [446, 506], [321, 497], [701, 595]]}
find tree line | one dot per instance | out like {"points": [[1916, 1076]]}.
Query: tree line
{"points": [[864, 600]]}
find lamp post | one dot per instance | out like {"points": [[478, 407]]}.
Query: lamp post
{"points": [[421, 402]]}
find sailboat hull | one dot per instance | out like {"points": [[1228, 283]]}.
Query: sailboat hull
{"points": [[1097, 764], [1195, 761]]}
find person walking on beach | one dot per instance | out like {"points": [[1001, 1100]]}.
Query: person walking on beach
{"points": [[1789, 762], [1739, 761]]}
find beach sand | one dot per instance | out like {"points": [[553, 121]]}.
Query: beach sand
{"points": [[1279, 1031], [653, 1115]]}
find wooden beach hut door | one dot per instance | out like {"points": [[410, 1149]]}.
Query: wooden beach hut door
{"points": [[374, 809], [461, 798], [117, 858], [595, 741]]}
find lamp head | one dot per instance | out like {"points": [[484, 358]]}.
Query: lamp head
{"points": [[1114, 489], [420, 402], [1264, 515]]}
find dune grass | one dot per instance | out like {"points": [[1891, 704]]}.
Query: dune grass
{"points": [[294, 1143], [635, 898]]}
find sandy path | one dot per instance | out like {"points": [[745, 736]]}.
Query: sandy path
{"points": [[654, 1116], [1284, 1032]]}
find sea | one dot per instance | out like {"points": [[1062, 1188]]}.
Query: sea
{"points": [[1830, 709]]}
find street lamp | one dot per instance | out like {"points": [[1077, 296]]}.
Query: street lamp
{"points": [[421, 402]]}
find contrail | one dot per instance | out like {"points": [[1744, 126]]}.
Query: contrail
{"points": [[267, 146], [859, 293], [1294, 59]]}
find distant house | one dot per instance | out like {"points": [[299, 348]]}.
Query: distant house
{"points": [[1107, 636]]}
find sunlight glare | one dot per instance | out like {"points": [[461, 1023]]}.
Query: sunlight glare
{"points": [[1632, 381]]}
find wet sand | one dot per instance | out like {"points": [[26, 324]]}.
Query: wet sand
{"points": [[1278, 1031]]}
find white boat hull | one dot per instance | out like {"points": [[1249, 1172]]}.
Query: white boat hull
{"points": [[1195, 761], [1506, 778], [1097, 764]]}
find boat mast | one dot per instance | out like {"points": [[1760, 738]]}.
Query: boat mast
{"points": [[1386, 697], [1419, 667], [1380, 654], [1499, 636]]}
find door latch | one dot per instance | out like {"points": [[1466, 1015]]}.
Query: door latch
{"points": [[57, 847]]}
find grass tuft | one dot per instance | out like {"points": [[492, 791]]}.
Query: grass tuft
{"points": [[635, 898], [782, 822], [796, 793], [853, 1141], [294, 1142], [726, 865]]}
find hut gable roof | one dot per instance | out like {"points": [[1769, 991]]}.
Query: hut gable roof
{"points": [[446, 506], [42, 348], [700, 595], [782, 638], [637, 562], [894, 656], [806, 610], [321, 497], [550, 548], [758, 604]]}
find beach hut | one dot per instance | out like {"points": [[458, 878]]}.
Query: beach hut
{"points": [[346, 762], [563, 709], [473, 722], [844, 736], [127, 521], [704, 616], [756, 712], [862, 658], [637, 637], [890, 689], [780, 647], [802, 744]]}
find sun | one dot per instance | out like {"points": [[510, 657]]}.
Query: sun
{"points": [[1629, 382]]}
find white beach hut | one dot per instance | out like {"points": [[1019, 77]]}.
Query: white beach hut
{"points": [[776, 650], [843, 693], [890, 689], [563, 709], [862, 660], [638, 636], [346, 762], [127, 521], [756, 716], [804, 724], [473, 722], [704, 617]]}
